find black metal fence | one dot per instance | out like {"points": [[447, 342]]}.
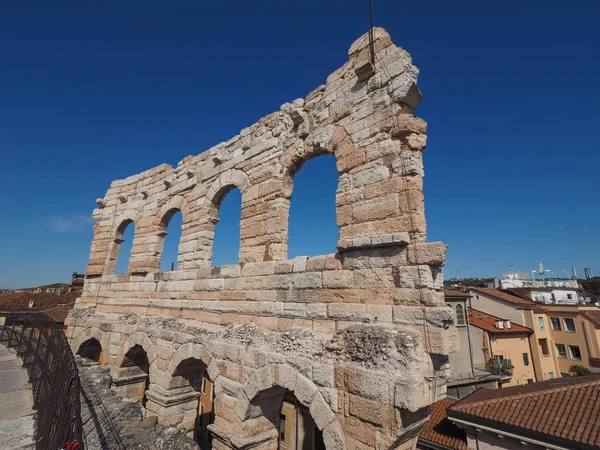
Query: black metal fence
{"points": [[41, 344]]}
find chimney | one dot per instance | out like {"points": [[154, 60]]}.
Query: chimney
{"points": [[507, 323], [499, 324], [30, 304]]}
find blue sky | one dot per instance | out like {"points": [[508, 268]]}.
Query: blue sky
{"points": [[96, 91]]}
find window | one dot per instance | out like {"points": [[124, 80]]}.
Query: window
{"points": [[542, 323], [555, 323], [529, 380], [522, 340], [543, 343], [172, 225], [493, 339], [526, 359], [551, 375], [569, 324], [570, 296], [282, 418], [561, 350], [460, 315], [575, 352], [122, 247], [313, 225], [226, 241]]}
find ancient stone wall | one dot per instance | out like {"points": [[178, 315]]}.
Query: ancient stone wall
{"points": [[360, 336]]}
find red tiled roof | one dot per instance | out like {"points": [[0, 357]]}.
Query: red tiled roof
{"points": [[56, 306], [505, 296], [593, 316], [564, 411], [487, 322], [455, 293], [439, 430]]}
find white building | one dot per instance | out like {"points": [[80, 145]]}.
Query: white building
{"points": [[551, 291]]}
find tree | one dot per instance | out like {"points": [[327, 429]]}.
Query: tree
{"points": [[577, 370]]}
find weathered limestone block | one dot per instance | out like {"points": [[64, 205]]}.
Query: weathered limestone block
{"points": [[430, 253]]}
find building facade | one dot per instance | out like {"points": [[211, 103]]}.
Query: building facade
{"points": [[340, 351], [563, 335], [469, 369]]}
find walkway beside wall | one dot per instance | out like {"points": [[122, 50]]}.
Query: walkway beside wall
{"points": [[17, 424]]}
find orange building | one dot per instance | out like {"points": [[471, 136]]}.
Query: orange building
{"points": [[563, 335], [504, 347]]}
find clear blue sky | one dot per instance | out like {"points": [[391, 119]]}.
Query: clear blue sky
{"points": [[89, 94]]}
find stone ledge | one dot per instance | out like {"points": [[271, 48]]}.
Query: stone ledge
{"points": [[131, 379], [166, 401], [237, 443], [384, 240]]}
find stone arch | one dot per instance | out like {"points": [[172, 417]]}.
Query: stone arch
{"points": [[225, 181], [91, 349], [209, 207], [165, 214], [283, 377], [177, 203], [127, 217], [326, 140], [139, 338], [91, 333], [186, 351], [135, 367]]}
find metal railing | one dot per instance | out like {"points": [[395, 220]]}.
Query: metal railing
{"points": [[42, 346]]}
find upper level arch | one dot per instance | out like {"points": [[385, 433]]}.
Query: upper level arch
{"points": [[174, 205], [123, 221], [327, 140], [209, 209]]}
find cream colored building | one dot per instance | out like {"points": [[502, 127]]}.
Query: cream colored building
{"points": [[563, 335], [504, 348]]}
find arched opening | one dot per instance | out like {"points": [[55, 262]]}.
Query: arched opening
{"points": [[122, 246], [296, 429], [227, 210], [92, 350], [190, 376], [136, 370], [171, 225], [312, 228]]}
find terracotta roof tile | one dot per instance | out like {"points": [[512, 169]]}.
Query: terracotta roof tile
{"points": [[56, 306], [487, 322], [564, 411], [592, 316], [439, 430], [506, 296], [456, 293]]}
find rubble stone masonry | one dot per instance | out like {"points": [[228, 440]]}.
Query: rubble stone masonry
{"points": [[360, 337]]}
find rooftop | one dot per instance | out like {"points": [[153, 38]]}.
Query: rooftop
{"points": [[505, 296], [487, 322], [456, 293], [593, 316], [563, 411], [56, 306], [439, 430]]}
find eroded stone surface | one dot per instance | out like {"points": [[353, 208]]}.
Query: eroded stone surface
{"points": [[357, 336]]}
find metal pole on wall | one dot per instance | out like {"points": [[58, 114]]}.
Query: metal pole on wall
{"points": [[371, 48]]}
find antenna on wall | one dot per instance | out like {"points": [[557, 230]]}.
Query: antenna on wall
{"points": [[371, 48]]}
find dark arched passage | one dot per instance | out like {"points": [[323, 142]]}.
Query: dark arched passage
{"points": [[91, 349]]}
